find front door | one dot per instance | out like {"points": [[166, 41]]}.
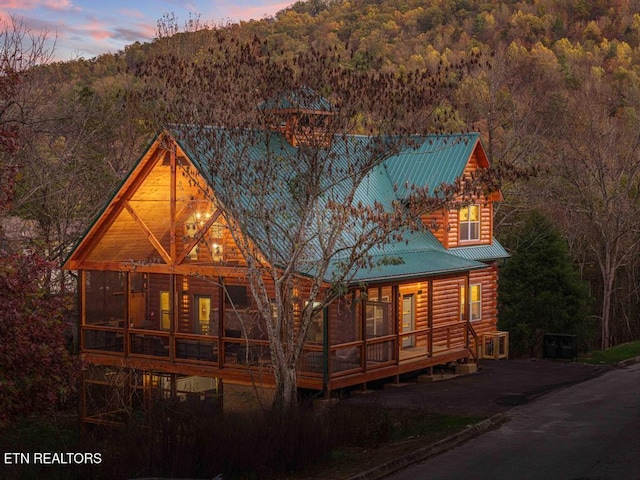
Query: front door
{"points": [[408, 320]]}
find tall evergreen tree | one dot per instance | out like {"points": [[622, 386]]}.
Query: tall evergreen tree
{"points": [[540, 289]]}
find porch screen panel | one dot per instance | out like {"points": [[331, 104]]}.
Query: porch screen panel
{"points": [[159, 312], [193, 294], [345, 320], [378, 313], [104, 298]]}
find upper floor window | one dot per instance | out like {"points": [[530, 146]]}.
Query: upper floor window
{"points": [[469, 223]]}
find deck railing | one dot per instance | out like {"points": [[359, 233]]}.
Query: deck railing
{"points": [[149, 343], [102, 338], [234, 352]]}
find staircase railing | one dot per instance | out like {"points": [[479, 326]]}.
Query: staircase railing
{"points": [[474, 351]]}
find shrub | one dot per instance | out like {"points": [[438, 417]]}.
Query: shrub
{"points": [[37, 372]]}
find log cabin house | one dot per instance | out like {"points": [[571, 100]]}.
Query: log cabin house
{"points": [[158, 310]]}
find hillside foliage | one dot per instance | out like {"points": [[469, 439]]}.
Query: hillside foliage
{"points": [[556, 86]]}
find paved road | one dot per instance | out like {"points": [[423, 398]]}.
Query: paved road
{"points": [[589, 431]]}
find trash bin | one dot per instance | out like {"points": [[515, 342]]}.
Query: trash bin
{"points": [[560, 345]]}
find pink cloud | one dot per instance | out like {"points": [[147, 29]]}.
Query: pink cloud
{"points": [[33, 4], [96, 30], [131, 13], [100, 34], [257, 12], [58, 4]]}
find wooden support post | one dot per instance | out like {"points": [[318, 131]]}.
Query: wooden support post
{"points": [[126, 345], [220, 394], [172, 318], [395, 308], [82, 404], [430, 317], [82, 302], [325, 353], [221, 320], [173, 385]]}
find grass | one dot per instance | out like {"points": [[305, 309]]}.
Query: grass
{"points": [[406, 430], [612, 355], [357, 439], [55, 433]]}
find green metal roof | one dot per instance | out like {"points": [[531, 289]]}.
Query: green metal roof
{"points": [[419, 254], [431, 160], [416, 264], [434, 160], [481, 252]]}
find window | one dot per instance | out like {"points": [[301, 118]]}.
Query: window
{"points": [[203, 314], [165, 311], [469, 223], [475, 302]]}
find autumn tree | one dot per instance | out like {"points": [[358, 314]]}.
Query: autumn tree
{"points": [[597, 184], [292, 205], [37, 371], [89, 143], [20, 51]]}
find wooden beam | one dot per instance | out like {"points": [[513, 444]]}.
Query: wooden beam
{"points": [[198, 236], [150, 236], [173, 194], [106, 219], [185, 269]]}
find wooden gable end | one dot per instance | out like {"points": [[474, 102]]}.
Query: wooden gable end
{"points": [[445, 224], [163, 218]]}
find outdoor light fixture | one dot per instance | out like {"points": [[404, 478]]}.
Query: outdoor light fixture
{"points": [[216, 252]]}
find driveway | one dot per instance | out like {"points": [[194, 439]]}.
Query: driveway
{"points": [[588, 431], [497, 387]]}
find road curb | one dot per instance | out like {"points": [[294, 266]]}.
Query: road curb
{"points": [[423, 453], [628, 361]]}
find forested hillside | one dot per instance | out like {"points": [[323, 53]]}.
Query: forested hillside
{"points": [[557, 86]]}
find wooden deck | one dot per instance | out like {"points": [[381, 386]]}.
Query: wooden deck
{"points": [[259, 373], [248, 361]]}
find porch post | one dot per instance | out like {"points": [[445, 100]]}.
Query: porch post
{"points": [[364, 295], [82, 302], [127, 291], [221, 303], [325, 352], [395, 307], [172, 318], [430, 314]]}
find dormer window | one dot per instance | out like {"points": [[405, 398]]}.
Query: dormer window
{"points": [[469, 218]]}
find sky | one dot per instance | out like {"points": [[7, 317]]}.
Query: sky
{"points": [[88, 28]]}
